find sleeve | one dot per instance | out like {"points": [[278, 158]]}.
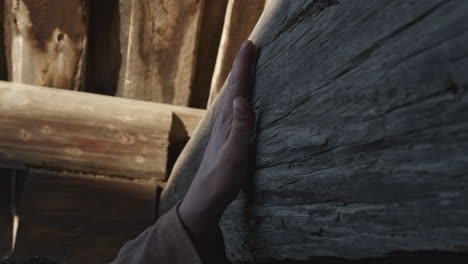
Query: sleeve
{"points": [[164, 242]]}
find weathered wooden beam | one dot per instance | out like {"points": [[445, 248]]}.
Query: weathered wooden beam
{"points": [[361, 137], [46, 41], [82, 218], [88, 132], [239, 22], [161, 51]]}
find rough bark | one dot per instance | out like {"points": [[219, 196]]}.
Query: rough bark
{"points": [[161, 51], [361, 137], [239, 22], [46, 42], [81, 218], [87, 132]]}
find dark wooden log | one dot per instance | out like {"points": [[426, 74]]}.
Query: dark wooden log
{"points": [[361, 137], [82, 218]]}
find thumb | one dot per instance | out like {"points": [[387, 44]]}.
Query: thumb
{"points": [[242, 122]]}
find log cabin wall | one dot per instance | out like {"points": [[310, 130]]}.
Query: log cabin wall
{"points": [[157, 51]]}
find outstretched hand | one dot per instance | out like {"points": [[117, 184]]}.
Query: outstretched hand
{"points": [[224, 166]]}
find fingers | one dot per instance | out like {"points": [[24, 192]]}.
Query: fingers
{"points": [[242, 125], [240, 78]]}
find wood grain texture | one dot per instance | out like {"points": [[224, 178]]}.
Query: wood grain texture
{"points": [[6, 212], [80, 131], [210, 36], [361, 133], [161, 52], [46, 42], [241, 18], [82, 218]]}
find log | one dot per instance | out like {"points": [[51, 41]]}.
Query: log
{"points": [[361, 136], [239, 22], [86, 132], [46, 42], [161, 59], [82, 218], [209, 39]]}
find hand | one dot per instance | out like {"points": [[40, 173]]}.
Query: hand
{"points": [[224, 166]]}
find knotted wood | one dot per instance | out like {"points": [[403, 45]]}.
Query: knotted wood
{"points": [[46, 42]]}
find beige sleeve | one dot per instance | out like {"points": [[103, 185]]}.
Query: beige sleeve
{"points": [[164, 242]]}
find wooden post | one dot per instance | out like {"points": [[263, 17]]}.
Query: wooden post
{"points": [[161, 51], [361, 137], [46, 42], [82, 218], [239, 22]]}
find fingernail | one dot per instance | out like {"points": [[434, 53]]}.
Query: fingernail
{"points": [[245, 44], [240, 106]]}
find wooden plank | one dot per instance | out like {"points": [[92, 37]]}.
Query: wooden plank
{"points": [[240, 20], [46, 42], [80, 131], [361, 139], [6, 213], [161, 54], [82, 218], [210, 36]]}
